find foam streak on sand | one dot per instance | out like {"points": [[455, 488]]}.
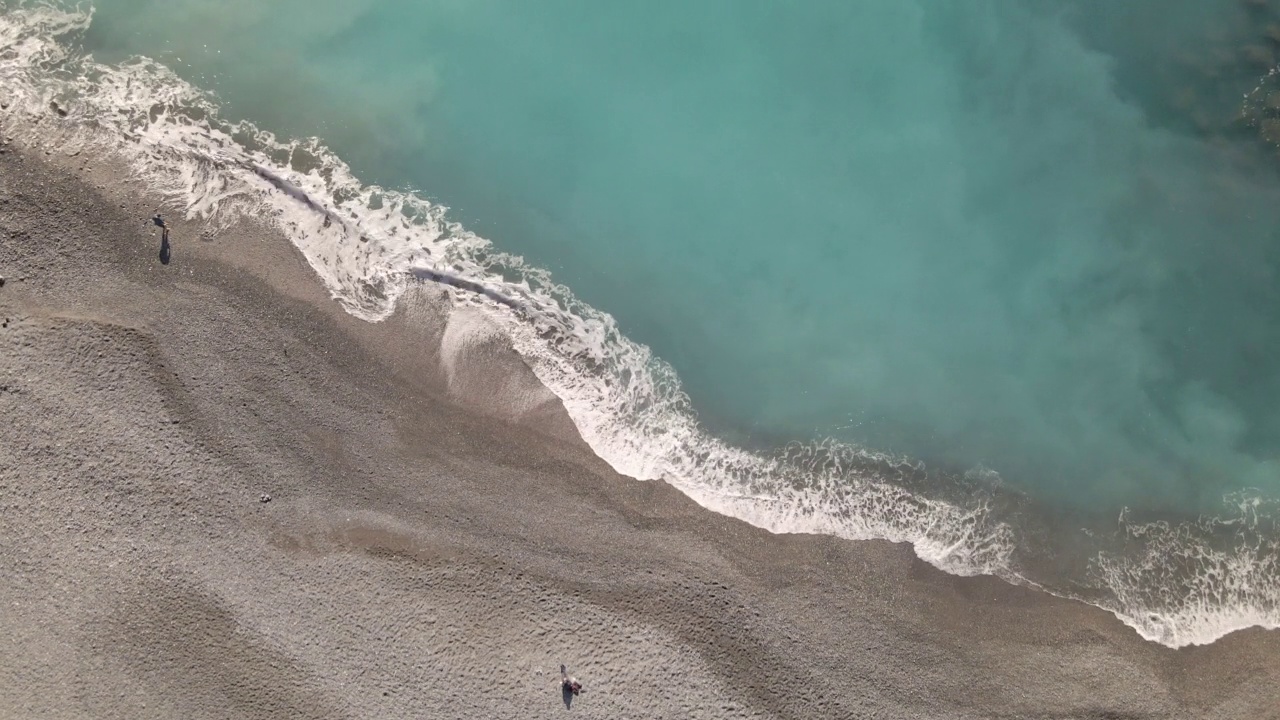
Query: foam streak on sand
{"points": [[368, 244]]}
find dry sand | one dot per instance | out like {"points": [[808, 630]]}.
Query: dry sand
{"points": [[421, 560]]}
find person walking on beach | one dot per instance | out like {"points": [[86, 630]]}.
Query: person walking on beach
{"points": [[567, 683], [164, 238], [164, 227]]}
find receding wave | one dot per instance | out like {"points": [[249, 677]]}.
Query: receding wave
{"points": [[1174, 582]]}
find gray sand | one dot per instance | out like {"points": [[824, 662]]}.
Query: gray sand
{"points": [[419, 560]]}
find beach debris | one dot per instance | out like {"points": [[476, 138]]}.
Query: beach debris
{"points": [[264, 498], [54, 106], [1, 281]]}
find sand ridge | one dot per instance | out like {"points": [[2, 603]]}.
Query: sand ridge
{"points": [[419, 559]]}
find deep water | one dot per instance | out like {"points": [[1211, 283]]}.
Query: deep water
{"points": [[1040, 238]]}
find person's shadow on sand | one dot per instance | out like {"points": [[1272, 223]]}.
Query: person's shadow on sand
{"points": [[165, 249]]}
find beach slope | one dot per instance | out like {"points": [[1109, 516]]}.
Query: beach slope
{"points": [[220, 496]]}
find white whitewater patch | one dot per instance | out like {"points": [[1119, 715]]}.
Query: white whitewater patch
{"points": [[368, 244], [1194, 582]]}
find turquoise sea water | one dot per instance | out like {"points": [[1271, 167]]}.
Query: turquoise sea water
{"points": [[977, 233], [1039, 239]]}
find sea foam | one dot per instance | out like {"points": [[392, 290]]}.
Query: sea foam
{"points": [[368, 244]]}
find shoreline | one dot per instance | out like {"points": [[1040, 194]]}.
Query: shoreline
{"points": [[626, 404], [239, 377]]}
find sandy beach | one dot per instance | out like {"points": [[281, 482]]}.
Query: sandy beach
{"points": [[223, 497]]}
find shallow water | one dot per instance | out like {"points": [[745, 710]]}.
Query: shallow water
{"points": [[1036, 240]]}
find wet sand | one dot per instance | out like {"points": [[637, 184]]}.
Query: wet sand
{"points": [[221, 496]]}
